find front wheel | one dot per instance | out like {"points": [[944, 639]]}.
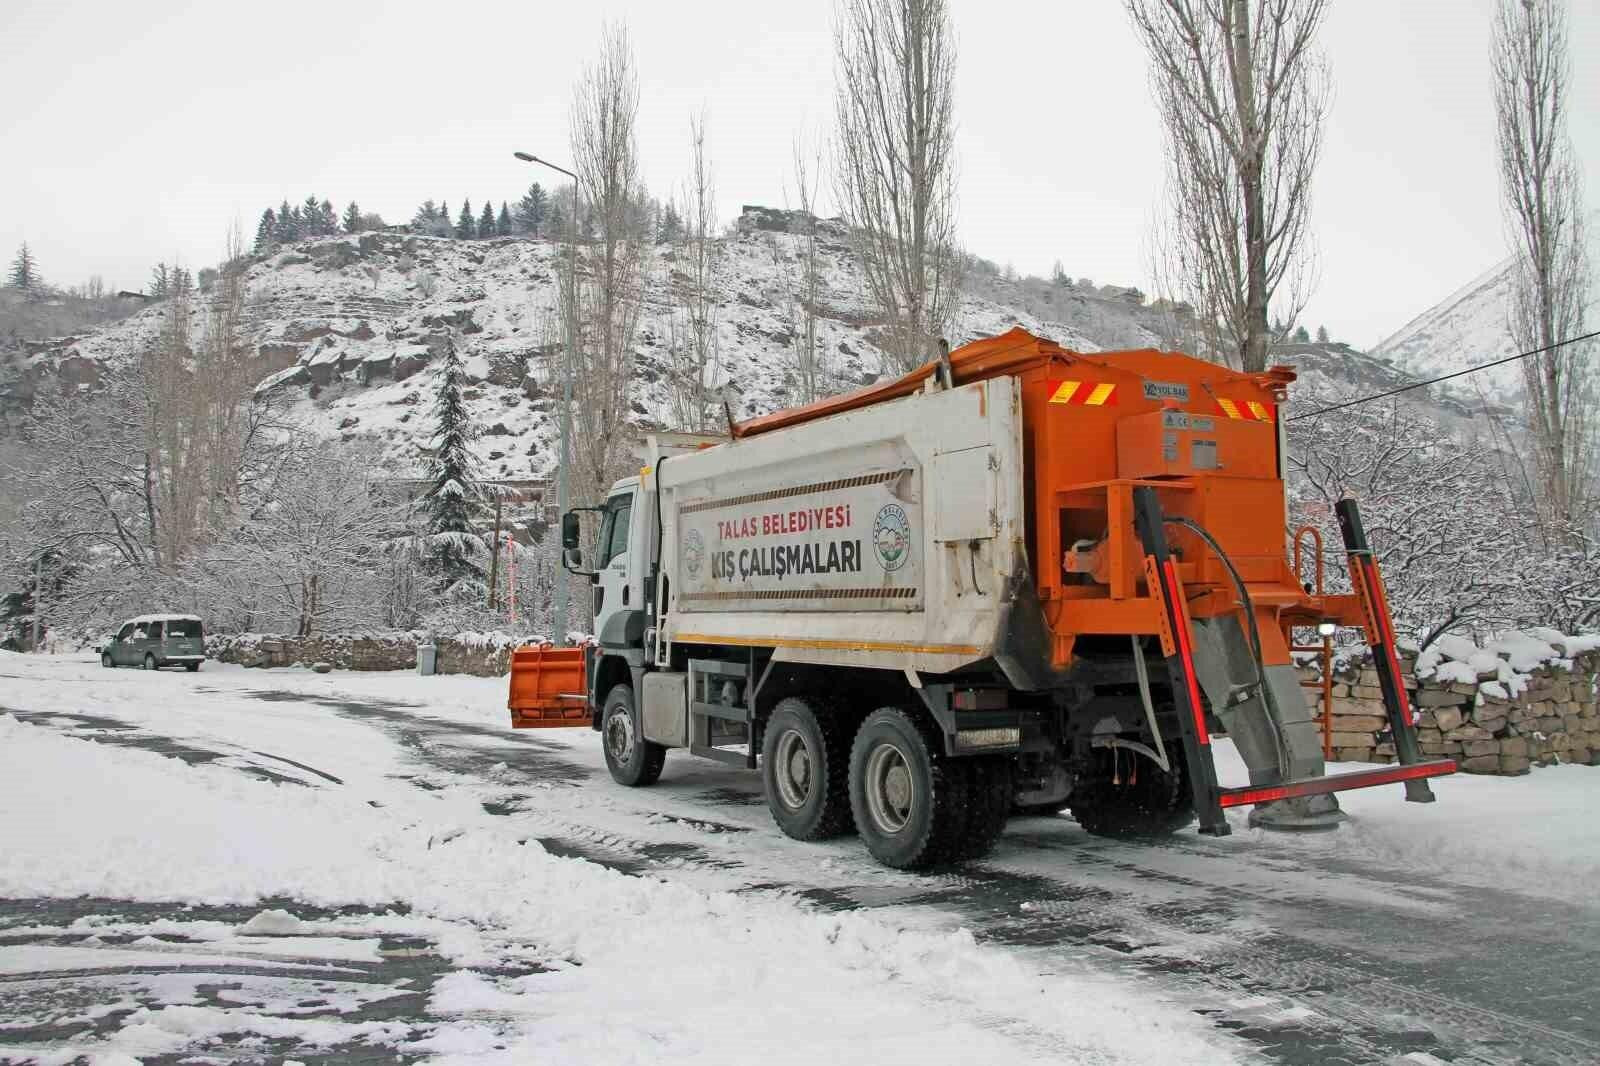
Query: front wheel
{"points": [[149, 661], [632, 760], [105, 660]]}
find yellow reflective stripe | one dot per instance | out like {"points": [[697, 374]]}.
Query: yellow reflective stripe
{"points": [[1064, 391], [1230, 407], [1100, 395], [1259, 411]]}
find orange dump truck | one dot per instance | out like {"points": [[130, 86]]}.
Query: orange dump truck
{"points": [[1019, 579]]}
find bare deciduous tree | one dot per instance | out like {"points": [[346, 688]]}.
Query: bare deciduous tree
{"points": [[601, 305], [1544, 216], [1242, 93], [803, 279], [694, 349], [895, 170]]}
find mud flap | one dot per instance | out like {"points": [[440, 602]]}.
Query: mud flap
{"points": [[1178, 648]]}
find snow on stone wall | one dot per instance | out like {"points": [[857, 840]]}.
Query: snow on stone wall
{"points": [[1525, 700], [480, 654]]}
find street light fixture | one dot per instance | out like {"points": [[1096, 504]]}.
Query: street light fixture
{"points": [[562, 493]]}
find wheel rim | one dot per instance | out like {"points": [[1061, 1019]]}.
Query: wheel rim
{"points": [[149, 663], [793, 769], [105, 658], [890, 796], [619, 736]]}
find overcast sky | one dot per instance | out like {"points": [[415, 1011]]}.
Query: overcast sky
{"points": [[134, 132]]}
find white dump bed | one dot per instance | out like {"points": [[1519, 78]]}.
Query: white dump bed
{"points": [[883, 536]]}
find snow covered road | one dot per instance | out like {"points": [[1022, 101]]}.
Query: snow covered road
{"points": [[255, 865]]}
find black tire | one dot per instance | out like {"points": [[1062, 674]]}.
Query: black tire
{"points": [[106, 661], [1153, 803], [909, 801], [149, 661], [989, 791], [632, 760], [805, 769], [191, 667]]}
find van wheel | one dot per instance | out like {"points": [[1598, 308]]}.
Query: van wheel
{"points": [[632, 760], [805, 767], [191, 667], [105, 660], [910, 802], [149, 661]]}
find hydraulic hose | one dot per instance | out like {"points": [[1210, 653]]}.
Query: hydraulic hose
{"points": [[1270, 700]]}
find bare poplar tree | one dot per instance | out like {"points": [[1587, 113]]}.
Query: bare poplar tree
{"points": [[805, 286], [895, 164], [1543, 192], [1242, 92], [696, 355], [601, 305]]}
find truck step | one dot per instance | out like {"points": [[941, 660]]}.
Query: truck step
{"points": [[1316, 786]]}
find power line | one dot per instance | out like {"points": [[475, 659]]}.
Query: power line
{"points": [[1445, 377]]}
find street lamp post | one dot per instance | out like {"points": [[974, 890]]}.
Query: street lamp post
{"points": [[563, 500]]}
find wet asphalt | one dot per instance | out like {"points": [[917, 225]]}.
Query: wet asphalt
{"points": [[1475, 975]]}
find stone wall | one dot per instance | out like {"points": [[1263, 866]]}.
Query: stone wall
{"points": [[480, 654], [1497, 710]]}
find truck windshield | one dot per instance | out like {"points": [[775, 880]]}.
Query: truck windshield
{"points": [[183, 627]]}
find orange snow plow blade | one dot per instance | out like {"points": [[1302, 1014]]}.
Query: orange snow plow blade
{"points": [[547, 688]]}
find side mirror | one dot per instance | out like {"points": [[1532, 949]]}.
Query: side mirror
{"points": [[569, 532]]}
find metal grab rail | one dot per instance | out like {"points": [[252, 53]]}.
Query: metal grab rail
{"points": [[1325, 647]]}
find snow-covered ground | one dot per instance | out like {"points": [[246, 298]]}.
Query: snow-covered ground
{"points": [[301, 835], [633, 969]]}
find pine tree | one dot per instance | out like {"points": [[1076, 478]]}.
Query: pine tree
{"points": [[1301, 336], [503, 223], [327, 218], [466, 229], [160, 282], [453, 495], [310, 218], [531, 210], [486, 220], [671, 226], [288, 224], [266, 230], [24, 270], [1322, 334], [352, 218], [425, 214], [555, 222]]}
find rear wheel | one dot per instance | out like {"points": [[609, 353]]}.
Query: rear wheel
{"points": [[805, 767], [1128, 795], [910, 802], [632, 760], [191, 667], [149, 661]]}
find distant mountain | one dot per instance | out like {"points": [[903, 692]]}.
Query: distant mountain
{"points": [[1467, 328]]}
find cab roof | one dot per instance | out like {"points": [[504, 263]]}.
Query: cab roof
{"points": [[146, 619]]}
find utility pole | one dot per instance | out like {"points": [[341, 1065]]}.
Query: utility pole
{"points": [[38, 603], [563, 500]]}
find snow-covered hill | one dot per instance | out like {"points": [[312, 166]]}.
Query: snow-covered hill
{"points": [[345, 330], [1467, 328]]}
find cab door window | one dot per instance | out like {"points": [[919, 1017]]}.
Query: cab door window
{"points": [[155, 631], [125, 633], [614, 530]]}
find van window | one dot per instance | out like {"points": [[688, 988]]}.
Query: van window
{"points": [[183, 627], [614, 533], [126, 632], [155, 630], [141, 631]]}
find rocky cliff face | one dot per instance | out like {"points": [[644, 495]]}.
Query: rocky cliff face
{"points": [[345, 331]]}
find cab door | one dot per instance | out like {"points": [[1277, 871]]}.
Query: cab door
{"points": [[614, 593], [122, 645]]}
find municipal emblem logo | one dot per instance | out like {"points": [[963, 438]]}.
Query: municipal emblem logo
{"points": [[694, 552], [891, 536]]}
